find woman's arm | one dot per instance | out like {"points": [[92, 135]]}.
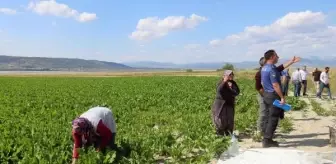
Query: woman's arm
{"points": [[76, 148], [234, 88]]}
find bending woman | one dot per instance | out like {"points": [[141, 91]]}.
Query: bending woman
{"points": [[223, 106], [96, 126]]}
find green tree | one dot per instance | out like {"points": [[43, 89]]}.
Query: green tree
{"points": [[228, 66], [189, 70]]}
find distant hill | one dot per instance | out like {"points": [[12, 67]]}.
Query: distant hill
{"points": [[15, 63], [310, 62]]}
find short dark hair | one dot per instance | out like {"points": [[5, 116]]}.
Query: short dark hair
{"points": [[268, 54], [326, 67]]}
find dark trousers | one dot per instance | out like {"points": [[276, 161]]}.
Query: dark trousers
{"points": [[285, 88], [263, 114], [297, 88], [97, 140], [223, 117], [304, 84], [274, 114], [322, 86]]}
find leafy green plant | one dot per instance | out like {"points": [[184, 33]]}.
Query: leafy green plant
{"points": [[319, 110], [286, 125], [296, 103], [158, 118]]}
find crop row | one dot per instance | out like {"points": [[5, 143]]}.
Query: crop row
{"points": [[158, 118]]}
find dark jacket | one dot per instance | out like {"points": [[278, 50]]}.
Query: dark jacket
{"points": [[225, 96], [224, 92]]}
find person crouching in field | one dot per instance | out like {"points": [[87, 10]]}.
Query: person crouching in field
{"points": [[95, 126], [223, 106]]}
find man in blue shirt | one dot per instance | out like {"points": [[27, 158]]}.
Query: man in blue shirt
{"points": [[263, 112], [271, 81], [286, 79]]}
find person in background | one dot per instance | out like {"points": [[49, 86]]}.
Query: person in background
{"points": [[297, 80], [285, 80], [263, 112], [324, 78], [304, 73], [95, 126], [223, 106], [316, 78]]}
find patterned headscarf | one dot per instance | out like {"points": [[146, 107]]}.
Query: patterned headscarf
{"points": [[227, 72], [81, 125]]}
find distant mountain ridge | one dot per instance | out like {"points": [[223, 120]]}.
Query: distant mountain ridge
{"points": [[309, 62], [16, 63]]}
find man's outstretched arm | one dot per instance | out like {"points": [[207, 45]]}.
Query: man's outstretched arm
{"points": [[292, 61]]}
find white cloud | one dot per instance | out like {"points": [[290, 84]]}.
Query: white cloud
{"points": [[7, 11], [154, 27], [215, 42], [301, 33], [51, 7], [86, 17], [192, 46]]}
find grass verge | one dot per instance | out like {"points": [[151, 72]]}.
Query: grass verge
{"points": [[320, 110], [286, 125]]}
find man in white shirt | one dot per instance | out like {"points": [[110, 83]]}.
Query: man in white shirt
{"points": [[324, 78], [304, 74], [297, 80]]}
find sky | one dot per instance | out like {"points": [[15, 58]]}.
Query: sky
{"points": [[178, 31]]}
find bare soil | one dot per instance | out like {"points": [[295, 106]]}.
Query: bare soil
{"points": [[311, 132]]}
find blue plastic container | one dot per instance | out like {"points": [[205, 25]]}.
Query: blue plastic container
{"points": [[285, 107]]}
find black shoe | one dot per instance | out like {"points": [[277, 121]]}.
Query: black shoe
{"points": [[269, 143]]}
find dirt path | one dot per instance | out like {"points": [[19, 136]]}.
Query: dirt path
{"points": [[311, 132]]}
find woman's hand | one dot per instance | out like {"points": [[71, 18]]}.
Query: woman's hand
{"points": [[225, 78], [230, 84]]}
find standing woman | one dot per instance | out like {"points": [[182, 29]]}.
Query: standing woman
{"points": [[96, 126], [223, 106]]}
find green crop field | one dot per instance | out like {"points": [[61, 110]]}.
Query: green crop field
{"points": [[158, 118]]}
